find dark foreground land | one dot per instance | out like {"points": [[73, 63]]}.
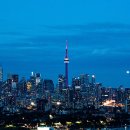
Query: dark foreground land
{"points": [[73, 120], [18, 128]]}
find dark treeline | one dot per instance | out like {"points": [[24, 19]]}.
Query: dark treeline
{"points": [[87, 119]]}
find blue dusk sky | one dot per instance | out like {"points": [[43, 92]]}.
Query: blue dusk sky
{"points": [[33, 35]]}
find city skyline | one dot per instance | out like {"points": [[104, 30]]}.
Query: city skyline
{"points": [[33, 35]]}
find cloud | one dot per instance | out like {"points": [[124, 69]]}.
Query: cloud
{"points": [[83, 43], [100, 51], [93, 27]]}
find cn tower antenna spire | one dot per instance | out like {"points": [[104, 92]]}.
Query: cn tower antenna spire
{"points": [[66, 61], [66, 44], [66, 49]]}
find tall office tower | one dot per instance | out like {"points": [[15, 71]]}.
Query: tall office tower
{"points": [[127, 93], [76, 83], [1, 74], [48, 85], [15, 78], [120, 95], [84, 79], [33, 80], [61, 82], [40, 89], [127, 99], [97, 94], [66, 61], [38, 78], [23, 86]]}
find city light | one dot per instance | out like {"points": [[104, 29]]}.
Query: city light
{"points": [[128, 72], [93, 76], [50, 116], [112, 103], [33, 104], [44, 128], [58, 103]]}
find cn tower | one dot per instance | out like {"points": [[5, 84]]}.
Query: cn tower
{"points": [[66, 61]]}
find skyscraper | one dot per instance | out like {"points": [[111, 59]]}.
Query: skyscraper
{"points": [[66, 61], [61, 82], [1, 74], [48, 85], [15, 78]]}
